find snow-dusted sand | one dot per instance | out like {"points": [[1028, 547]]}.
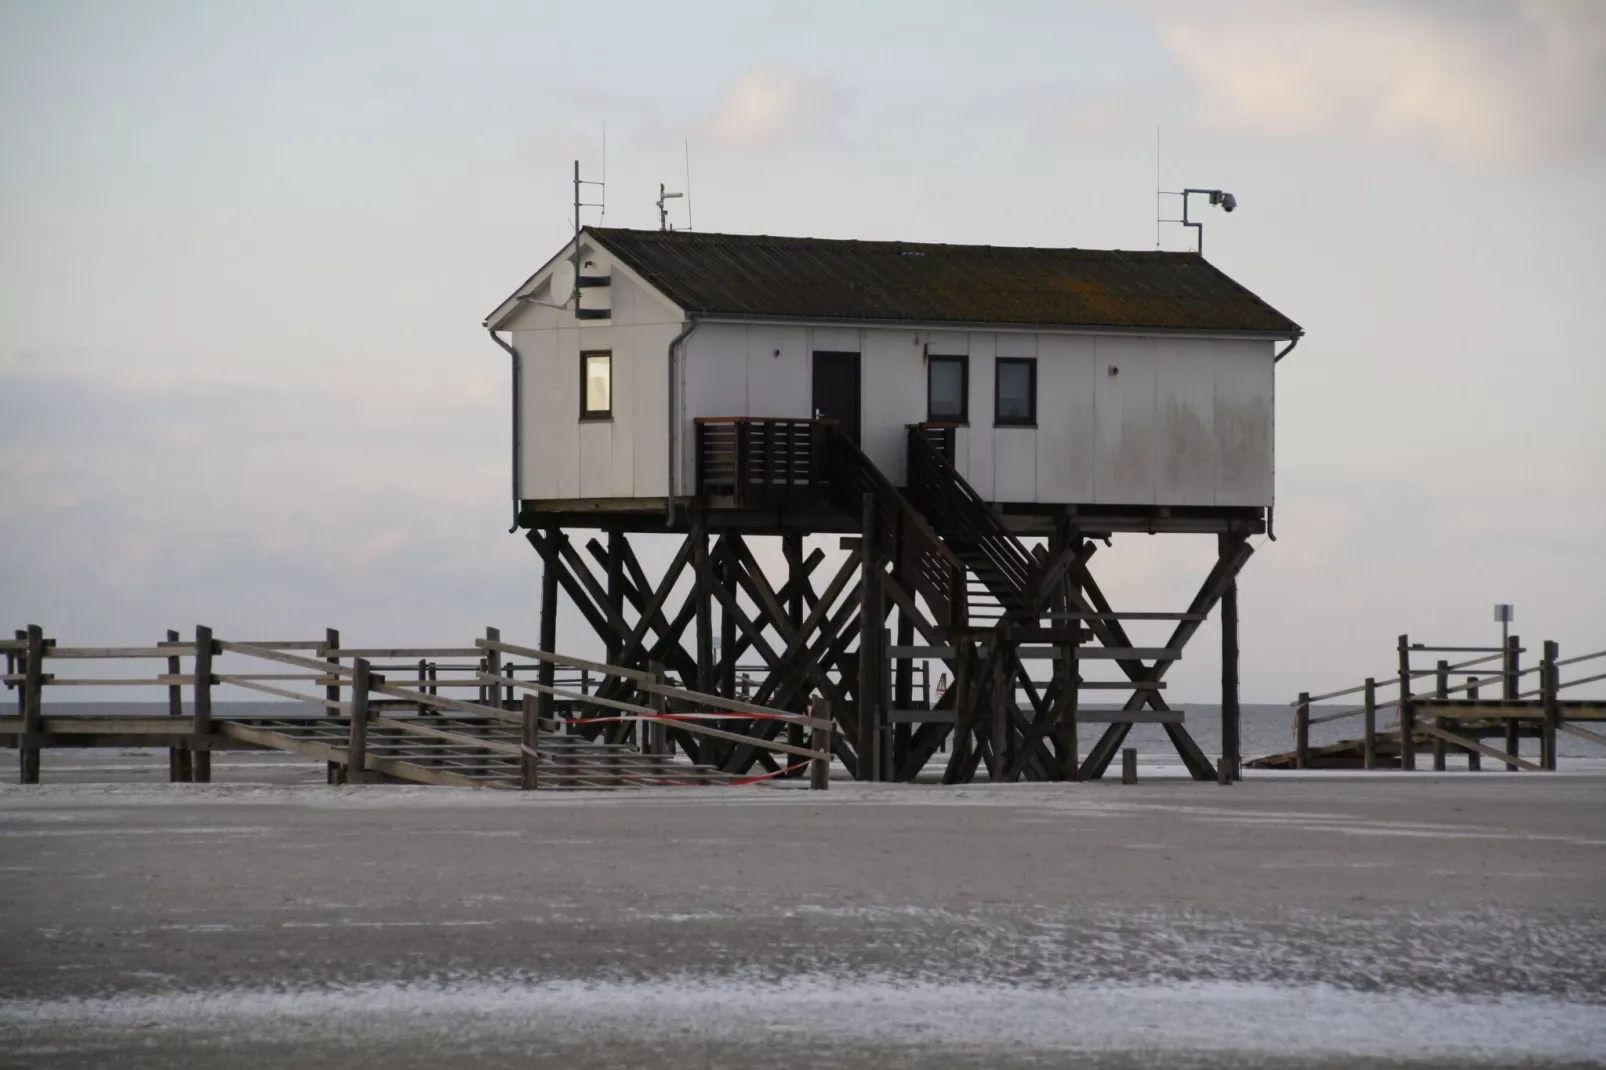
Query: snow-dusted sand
{"points": [[1287, 921]]}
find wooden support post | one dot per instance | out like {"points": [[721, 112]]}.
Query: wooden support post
{"points": [[903, 693], [1508, 691], [1550, 684], [33, 703], [869, 636], [998, 705], [423, 682], [820, 740], [549, 628], [1302, 731], [796, 578], [1407, 711], [1223, 771], [1129, 765], [725, 570], [178, 758], [1230, 711], [529, 743], [357, 737], [492, 692], [1369, 726], [331, 693], [1441, 690], [1474, 759], [202, 729], [702, 591]]}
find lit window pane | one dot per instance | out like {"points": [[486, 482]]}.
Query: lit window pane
{"points": [[599, 382], [947, 389], [1014, 391]]}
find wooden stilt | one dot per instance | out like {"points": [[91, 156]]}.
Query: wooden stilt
{"points": [[1550, 682], [1231, 748], [1302, 731], [1369, 726], [1474, 759], [1441, 690], [869, 639], [549, 631], [1509, 691]]}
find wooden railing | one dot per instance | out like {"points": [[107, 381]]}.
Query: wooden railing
{"points": [[1513, 705], [970, 525], [750, 463]]}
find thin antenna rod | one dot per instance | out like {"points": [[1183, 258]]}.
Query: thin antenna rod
{"points": [[603, 216], [688, 183], [1156, 187]]}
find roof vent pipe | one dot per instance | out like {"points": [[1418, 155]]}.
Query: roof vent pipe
{"points": [[676, 343]]}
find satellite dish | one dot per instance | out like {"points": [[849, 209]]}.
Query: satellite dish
{"points": [[560, 284]]}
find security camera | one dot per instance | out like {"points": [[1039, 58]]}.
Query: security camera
{"points": [[1228, 202]]}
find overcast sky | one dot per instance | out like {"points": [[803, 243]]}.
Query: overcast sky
{"points": [[247, 249]]}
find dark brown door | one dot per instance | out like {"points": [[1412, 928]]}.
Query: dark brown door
{"points": [[836, 390]]}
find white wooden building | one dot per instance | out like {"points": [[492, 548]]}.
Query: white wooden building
{"points": [[1075, 377]]}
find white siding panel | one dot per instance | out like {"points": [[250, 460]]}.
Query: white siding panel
{"points": [[1244, 428], [979, 470], [563, 409], [714, 365], [596, 458], [1014, 464], [1012, 344], [778, 382], [1185, 400], [1066, 439], [649, 408], [893, 382], [538, 432], [1124, 467], [835, 339]]}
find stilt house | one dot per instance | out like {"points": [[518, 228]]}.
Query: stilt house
{"points": [[976, 415]]}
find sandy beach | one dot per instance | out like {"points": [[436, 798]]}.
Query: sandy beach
{"points": [[1356, 920]]}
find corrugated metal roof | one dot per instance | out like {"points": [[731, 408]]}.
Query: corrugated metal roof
{"points": [[826, 279]]}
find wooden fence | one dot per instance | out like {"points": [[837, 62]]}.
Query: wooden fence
{"points": [[514, 729]]}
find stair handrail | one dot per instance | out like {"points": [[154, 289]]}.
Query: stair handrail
{"points": [[901, 532], [933, 476]]}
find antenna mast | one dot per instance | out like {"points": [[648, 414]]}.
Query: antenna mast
{"points": [[574, 255], [663, 209]]}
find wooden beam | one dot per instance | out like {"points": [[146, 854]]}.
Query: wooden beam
{"points": [[1471, 744], [202, 712], [32, 700]]}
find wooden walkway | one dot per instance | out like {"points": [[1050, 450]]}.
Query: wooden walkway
{"points": [[515, 732], [1453, 718]]}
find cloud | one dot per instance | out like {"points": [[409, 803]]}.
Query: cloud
{"points": [[1498, 82], [773, 103]]}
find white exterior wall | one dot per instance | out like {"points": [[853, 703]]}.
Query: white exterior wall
{"points": [[1181, 421], [562, 456]]}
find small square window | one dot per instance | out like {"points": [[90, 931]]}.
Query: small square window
{"points": [[596, 385], [1015, 397], [948, 388]]}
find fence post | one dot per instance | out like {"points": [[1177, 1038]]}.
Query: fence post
{"points": [[820, 740], [491, 693], [331, 693], [423, 678], [1474, 759], [178, 758], [529, 744], [357, 739], [1550, 683], [1509, 693], [33, 679], [1407, 711], [1302, 731], [655, 736], [201, 756], [1441, 691], [1129, 765], [1369, 731]]}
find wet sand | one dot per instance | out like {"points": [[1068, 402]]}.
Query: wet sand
{"points": [[1352, 920]]}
